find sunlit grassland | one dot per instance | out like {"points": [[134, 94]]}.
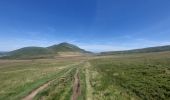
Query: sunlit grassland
{"points": [[18, 78], [62, 87], [143, 76], [135, 76], [82, 76]]}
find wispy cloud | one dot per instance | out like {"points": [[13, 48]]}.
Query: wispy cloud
{"points": [[99, 48], [115, 46]]}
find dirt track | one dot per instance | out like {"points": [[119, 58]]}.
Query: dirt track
{"points": [[76, 86], [34, 93]]}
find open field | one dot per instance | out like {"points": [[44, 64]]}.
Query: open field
{"points": [[18, 78], [139, 76], [84, 49], [119, 77]]}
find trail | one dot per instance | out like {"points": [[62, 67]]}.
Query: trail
{"points": [[42, 87], [76, 86], [36, 91], [88, 86]]}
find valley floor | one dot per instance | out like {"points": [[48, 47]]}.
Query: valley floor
{"points": [[117, 77]]}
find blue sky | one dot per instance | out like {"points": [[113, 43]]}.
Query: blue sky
{"points": [[96, 25]]}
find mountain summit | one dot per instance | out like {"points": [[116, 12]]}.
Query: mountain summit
{"points": [[65, 47]]}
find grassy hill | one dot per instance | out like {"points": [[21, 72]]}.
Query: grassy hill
{"points": [[43, 52], [30, 52], [143, 50], [65, 47], [3, 54]]}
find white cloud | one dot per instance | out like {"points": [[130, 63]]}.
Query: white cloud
{"points": [[99, 48], [15, 43], [135, 44]]}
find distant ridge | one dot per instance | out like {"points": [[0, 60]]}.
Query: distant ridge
{"points": [[68, 49], [2, 54], [43, 52], [143, 50]]}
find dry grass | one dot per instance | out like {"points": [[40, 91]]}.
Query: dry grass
{"points": [[19, 77]]}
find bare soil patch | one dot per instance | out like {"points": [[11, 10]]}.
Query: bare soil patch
{"points": [[76, 86]]}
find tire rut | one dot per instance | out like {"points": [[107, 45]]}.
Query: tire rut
{"points": [[31, 95], [36, 91], [76, 86]]}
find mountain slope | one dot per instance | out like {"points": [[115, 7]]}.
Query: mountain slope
{"points": [[29, 52], [3, 54], [66, 47], [143, 50], [42, 52]]}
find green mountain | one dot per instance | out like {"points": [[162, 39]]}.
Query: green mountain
{"points": [[65, 47], [3, 54], [43, 52], [29, 52], [143, 50]]}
